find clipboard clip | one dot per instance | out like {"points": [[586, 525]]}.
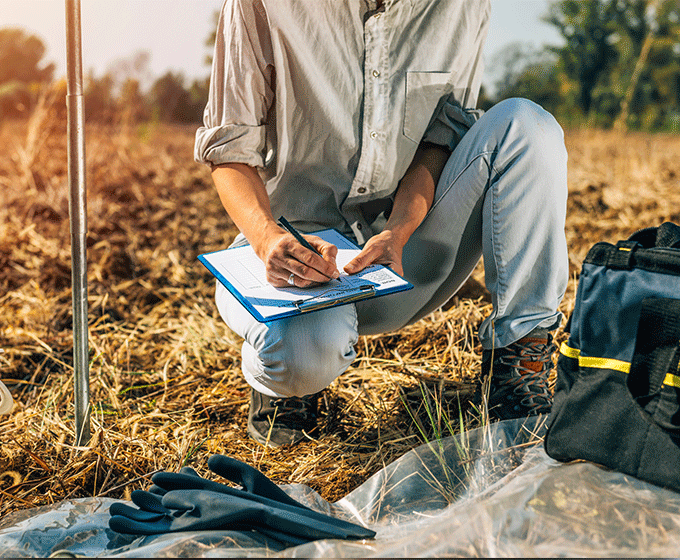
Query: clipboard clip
{"points": [[313, 304]]}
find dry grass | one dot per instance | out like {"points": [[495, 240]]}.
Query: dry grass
{"points": [[166, 388]]}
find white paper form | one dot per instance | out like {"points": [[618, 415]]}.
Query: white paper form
{"points": [[244, 274]]}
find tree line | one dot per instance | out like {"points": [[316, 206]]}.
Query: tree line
{"points": [[618, 66], [117, 96]]}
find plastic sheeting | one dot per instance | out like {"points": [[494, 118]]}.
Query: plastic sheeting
{"points": [[488, 492]]}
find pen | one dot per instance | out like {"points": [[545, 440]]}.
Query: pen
{"points": [[296, 234]]}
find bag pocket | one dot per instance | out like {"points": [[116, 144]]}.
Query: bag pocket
{"points": [[591, 404]]}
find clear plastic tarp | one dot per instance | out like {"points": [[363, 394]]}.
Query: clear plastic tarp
{"points": [[489, 492]]}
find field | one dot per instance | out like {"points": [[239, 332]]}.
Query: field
{"points": [[166, 388]]}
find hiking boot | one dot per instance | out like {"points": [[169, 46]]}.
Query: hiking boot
{"points": [[278, 421], [519, 378]]}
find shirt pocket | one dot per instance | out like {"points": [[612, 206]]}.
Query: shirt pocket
{"points": [[423, 92]]}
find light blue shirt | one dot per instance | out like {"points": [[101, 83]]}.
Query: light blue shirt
{"points": [[330, 99]]}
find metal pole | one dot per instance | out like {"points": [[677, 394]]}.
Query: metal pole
{"points": [[78, 213]]}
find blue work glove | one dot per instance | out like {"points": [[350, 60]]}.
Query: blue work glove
{"points": [[185, 501]]}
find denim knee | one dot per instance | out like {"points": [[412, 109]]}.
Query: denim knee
{"points": [[302, 355], [530, 121], [529, 131]]}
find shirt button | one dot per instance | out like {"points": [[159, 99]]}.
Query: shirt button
{"points": [[376, 73], [373, 134], [359, 226], [361, 190]]}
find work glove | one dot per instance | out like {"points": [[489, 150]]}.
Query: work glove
{"points": [[185, 501]]}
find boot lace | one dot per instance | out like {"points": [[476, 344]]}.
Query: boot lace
{"points": [[528, 364], [295, 412]]}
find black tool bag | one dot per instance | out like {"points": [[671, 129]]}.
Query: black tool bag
{"points": [[617, 396]]}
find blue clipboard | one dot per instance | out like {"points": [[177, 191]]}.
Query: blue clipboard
{"points": [[241, 272]]}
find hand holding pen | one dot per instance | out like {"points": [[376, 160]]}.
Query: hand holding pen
{"points": [[307, 261]]}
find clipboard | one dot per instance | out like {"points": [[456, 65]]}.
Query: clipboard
{"points": [[241, 271]]}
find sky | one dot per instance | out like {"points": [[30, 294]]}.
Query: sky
{"points": [[174, 31]]}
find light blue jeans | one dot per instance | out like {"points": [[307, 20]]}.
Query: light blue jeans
{"points": [[502, 195]]}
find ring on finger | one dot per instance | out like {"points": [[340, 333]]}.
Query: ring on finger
{"points": [[291, 279]]}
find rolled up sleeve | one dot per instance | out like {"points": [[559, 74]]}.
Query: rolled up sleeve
{"points": [[241, 88], [449, 123]]}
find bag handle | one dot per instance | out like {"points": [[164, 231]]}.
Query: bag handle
{"points": [[665, 235], [654, 379]]}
